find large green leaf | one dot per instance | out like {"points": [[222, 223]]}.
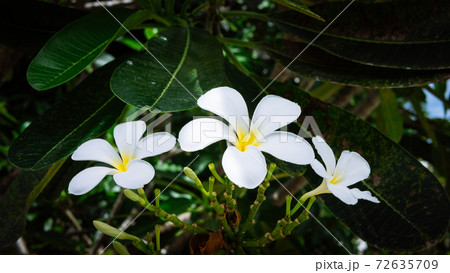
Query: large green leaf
{"points": [[400, 21], [323, 66], [184, 63], [414, 211], [388, 116], [77, 45], [16, 202], [26, 25], [407, 56], [85, 113]]}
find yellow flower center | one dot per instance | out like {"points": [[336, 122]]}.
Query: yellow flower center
{"points": [[245, 139], [333, 180], [122, 165]]}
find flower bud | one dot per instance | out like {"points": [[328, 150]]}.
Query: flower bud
{"points": [[121, 249], [114, 232], [134, 197]]}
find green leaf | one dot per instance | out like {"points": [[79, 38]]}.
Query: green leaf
{"points": [[77, 45], [325, 91], [185, 63], [300, 7], [400, 21], [26, 25], [85, 113], [406, 56], [414, 211], [14, 205], [323, 66], [388, 116]]}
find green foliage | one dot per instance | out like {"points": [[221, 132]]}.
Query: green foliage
{"points": [[66, 125], [76, 46], [371, 45], [180, 65], [393, 172], [388, 117], [16, 202], [28, 29], [176, 51]]}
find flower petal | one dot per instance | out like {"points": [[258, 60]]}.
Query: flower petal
{"points": [[342, 193], [139, 173], [245, 169], [272, 113], [288, 147], [127, 136], [351, 168], [229, 104], [319, 169], [366, 195], [154, 144], [97, 150], [326, 153], [202, 132], [87, 179]]}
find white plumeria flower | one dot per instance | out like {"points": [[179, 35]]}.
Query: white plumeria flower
{"points": [[243, 161], [129, 170], [350, 169]]}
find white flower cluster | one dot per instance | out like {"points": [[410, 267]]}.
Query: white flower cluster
{"points": [[243, 160]]}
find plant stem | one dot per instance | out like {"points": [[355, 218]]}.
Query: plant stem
{"points": [[192, 175], [211, 185], [158, 237], [157, 194], [220, 210], [212, 168], [229, 196], [283, 228], [319, 190], [254, 208], [288, 205], [175, 220]]}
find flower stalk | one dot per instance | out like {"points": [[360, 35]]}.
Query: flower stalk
{"points": [[158, 237], [212, 168], [220, 210], [231, 203], [283, 228], [193, 176], [157, 194], [254, 208], [288, 206], [159, 212]]}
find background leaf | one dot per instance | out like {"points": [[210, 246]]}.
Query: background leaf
{"points": [[400, 21], [388, 117], [298, 6], [192, 56], [76, 46], [16, 202], [320, 65], [28, 29], [414, 211], [85, 113], [407, 55]]}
